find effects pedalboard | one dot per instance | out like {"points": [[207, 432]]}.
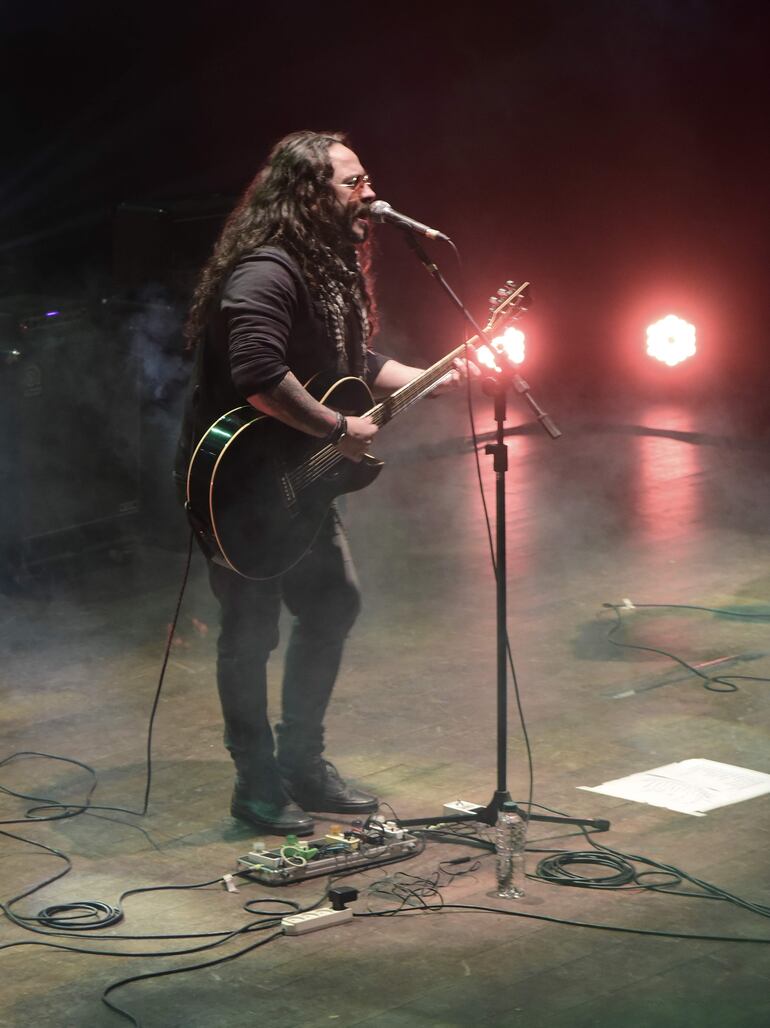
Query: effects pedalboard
{"points": [[342, 848]]}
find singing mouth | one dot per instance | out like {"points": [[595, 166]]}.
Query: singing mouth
{"points": [[360, 221]]}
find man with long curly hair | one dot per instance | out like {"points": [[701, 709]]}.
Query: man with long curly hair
{"points": [[285, 295]]}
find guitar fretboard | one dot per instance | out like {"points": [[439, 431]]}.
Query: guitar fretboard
{"points": [[328, 456], [404, 397]]}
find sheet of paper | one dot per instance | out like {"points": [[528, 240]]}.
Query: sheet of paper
{"points": [[692, 786]]}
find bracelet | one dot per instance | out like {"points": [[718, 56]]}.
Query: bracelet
{"points": [[339, 431]]}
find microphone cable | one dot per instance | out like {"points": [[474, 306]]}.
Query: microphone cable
{"points": [[492, 555]]}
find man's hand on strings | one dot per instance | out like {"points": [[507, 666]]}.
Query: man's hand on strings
{"points": [[358, 438], [462, 370]]}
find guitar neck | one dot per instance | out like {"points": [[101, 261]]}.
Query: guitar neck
{"points": [[413, 391]]}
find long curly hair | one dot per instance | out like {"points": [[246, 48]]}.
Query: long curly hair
{"points": [[290, 204]]}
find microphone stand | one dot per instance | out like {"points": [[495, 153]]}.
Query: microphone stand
{"points": [[497, 387]]}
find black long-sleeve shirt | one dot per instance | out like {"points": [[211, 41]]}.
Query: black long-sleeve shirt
{"points": [[266, 324], [273, 326]]}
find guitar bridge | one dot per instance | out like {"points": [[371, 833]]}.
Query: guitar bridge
{"points": [[288, 495]]}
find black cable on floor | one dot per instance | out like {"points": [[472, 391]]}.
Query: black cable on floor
{"points": [[265, 919], [177, 970], [555, 870], [91, 914], [714, 683], [471, 908]]}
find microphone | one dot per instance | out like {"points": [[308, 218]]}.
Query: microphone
{"points": [[382, 211]]}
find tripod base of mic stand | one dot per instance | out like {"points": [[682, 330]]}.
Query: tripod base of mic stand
{"points": [[488, 816]]}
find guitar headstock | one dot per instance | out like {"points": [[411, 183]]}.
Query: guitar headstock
{"points": [[509, 303]]}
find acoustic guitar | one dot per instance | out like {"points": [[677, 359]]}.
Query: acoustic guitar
{"points": [[258, 491]]}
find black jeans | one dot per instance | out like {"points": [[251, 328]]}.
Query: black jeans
{"points": [[322, 593]]}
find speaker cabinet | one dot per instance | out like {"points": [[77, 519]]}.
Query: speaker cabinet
{"points": [[71, 414]]}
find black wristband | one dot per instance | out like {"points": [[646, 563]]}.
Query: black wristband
{"points": [[339, 430]]}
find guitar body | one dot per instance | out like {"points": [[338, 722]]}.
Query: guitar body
{"points": [[259, 491]]}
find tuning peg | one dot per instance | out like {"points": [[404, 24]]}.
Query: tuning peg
{"points": [[503, 292], [510, 283], [493, 301]]}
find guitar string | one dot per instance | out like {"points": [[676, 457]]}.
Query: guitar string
{"points": [[325, 458]]}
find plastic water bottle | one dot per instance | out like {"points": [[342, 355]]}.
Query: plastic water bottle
{"points": [[510, 844]]}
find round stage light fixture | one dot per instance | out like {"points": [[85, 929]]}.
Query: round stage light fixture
{"points": [[671, 340], [510, 343]]}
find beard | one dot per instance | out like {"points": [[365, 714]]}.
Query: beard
{"points": [[356, 223]]}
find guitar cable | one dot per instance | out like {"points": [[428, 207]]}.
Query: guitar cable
{"points": [[87, 914]]}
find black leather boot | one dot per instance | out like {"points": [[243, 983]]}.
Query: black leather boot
{"points": [[311, 781], [260, 798], [316, 784]]}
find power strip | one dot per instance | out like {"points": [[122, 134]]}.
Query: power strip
{"points": [[314, 920]]}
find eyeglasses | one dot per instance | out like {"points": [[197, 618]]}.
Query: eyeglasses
{"points": [[357, 180]]}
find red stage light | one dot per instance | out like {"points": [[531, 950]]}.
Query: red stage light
{"points": [[511, 343], [671, 340]]}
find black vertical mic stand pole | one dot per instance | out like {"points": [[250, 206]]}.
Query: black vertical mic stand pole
{"points": [[497, 388]]}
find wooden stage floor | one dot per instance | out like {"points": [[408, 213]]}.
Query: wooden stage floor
{"points": [[657, 503]]}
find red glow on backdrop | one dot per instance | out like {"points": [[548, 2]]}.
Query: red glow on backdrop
{"points": [[511, 343], [671, 340]]}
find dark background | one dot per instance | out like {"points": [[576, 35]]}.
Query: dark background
{"points": [[614, 153]]}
